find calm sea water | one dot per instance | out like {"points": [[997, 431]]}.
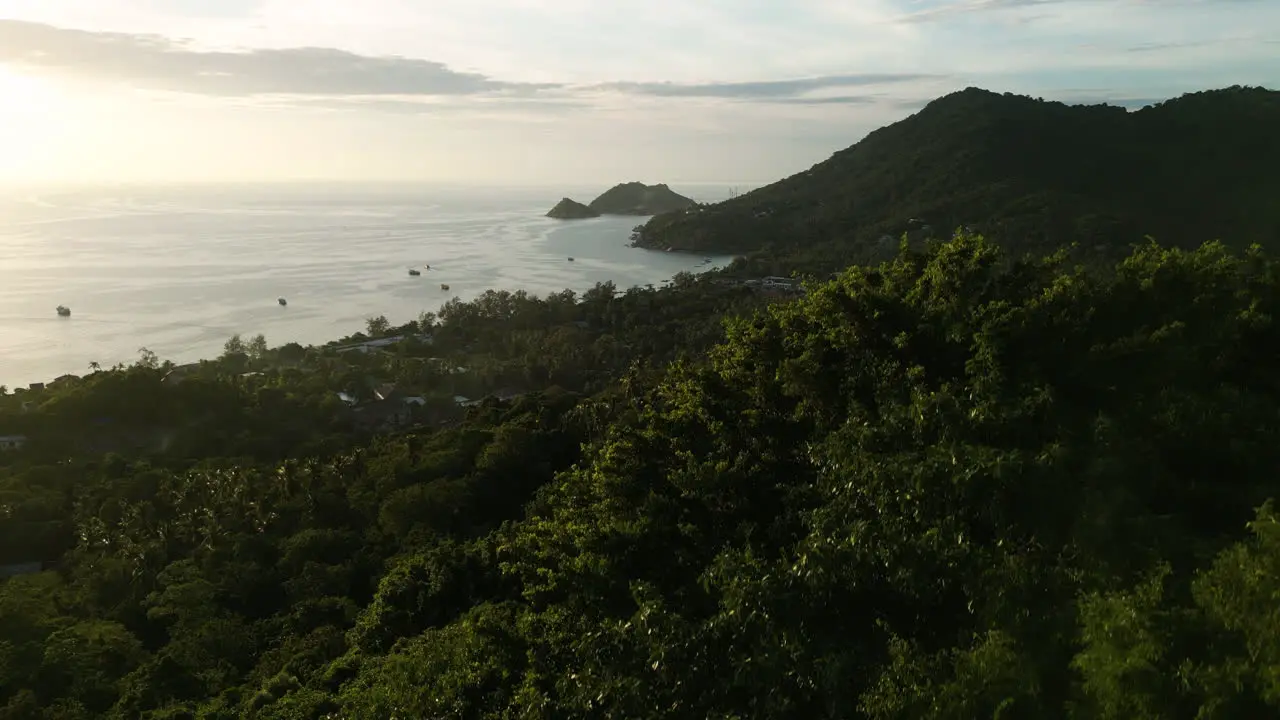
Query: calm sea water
{"points": [[180, 270]]}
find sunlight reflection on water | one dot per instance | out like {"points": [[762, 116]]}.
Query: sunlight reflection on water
{"points": [[180, 271]]}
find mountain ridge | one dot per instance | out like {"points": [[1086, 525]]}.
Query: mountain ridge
{"points": [[1033, 175]]}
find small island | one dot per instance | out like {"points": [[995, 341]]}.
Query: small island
{"points": [[632, 198], [568, 209]]}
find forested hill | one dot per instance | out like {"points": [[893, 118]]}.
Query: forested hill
{"points": [[945, 487], [1030, 174]]}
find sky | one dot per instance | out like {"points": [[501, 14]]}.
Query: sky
{"points": [[534, 92]]}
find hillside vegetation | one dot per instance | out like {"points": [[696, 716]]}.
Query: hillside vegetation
{"points": [[950, 486], [1030, 175], [636, 198]]}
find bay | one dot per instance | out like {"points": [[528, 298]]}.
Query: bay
{"points": [[180, 269]]}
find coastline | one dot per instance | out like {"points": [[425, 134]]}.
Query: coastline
{"points": [[336, 266]]}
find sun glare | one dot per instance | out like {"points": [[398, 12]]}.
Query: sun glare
{"points": [[29, 111]]}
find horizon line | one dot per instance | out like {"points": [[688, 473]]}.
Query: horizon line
{"points": [[318, 181]]}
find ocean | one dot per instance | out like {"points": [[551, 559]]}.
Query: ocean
{"points": [[179, 270]]}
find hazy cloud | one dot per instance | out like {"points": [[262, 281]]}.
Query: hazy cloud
{"points": [[159, 63], [831, 100], [420, 106], [939, 9], [204, 8], [164, 64], [1159, 46], [765, 89]]}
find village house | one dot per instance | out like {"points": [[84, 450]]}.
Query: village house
{"points": [[391, 408], [504, 395], [389, 393], [775, 285], [379, 343], [368, 345]]}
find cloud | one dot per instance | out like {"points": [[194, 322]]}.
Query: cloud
{"points": [[330, 75], [943, 10], [1163, 46], [203, 8], [764, 89], [402, 105], [164, 64], [939, 10], [831, 100], [328, 72]]}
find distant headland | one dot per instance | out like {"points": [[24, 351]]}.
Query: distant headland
{"points": [[568, 209], [632, 198]]}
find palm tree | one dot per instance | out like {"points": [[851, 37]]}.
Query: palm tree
{"points": [[94, 366]]}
